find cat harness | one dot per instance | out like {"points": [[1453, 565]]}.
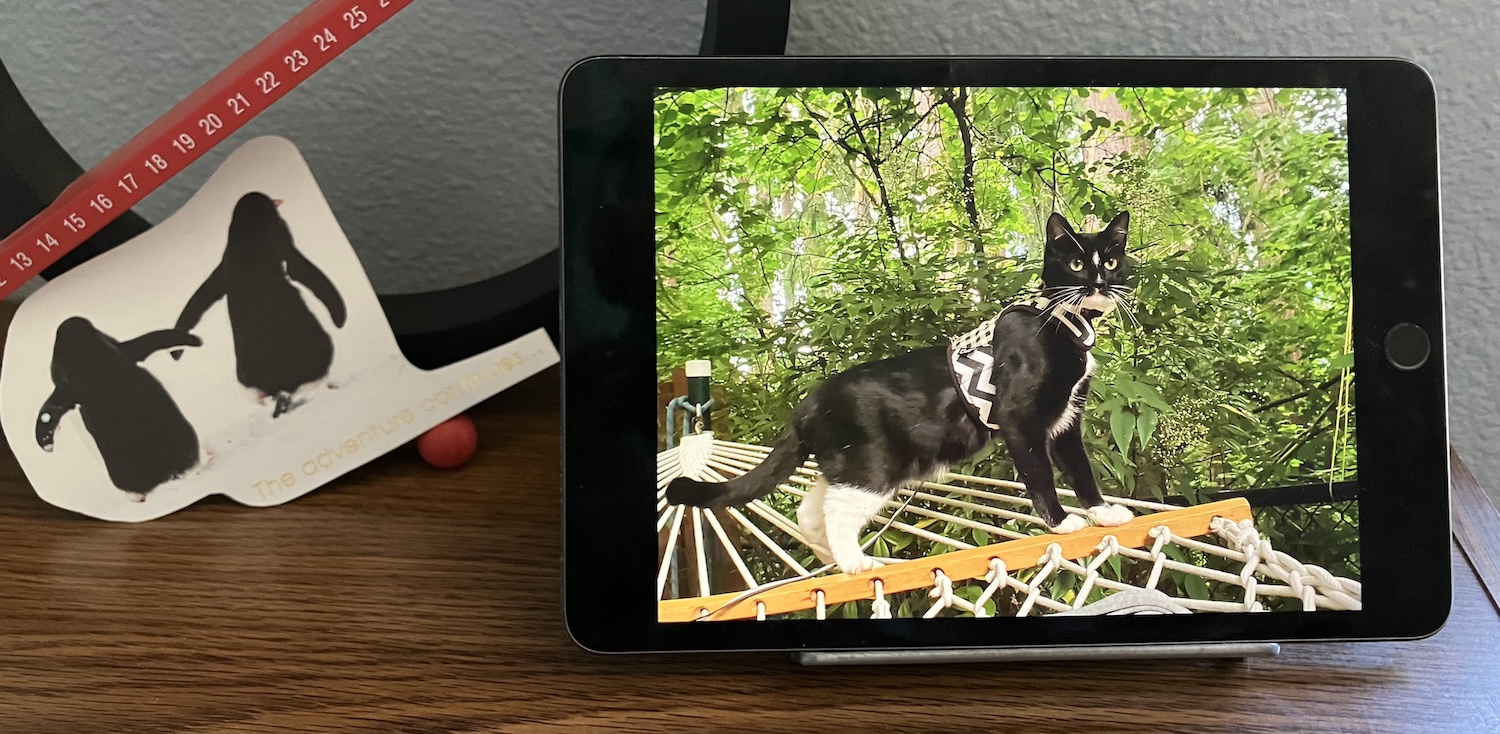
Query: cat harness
{"points": [[971, 357]]}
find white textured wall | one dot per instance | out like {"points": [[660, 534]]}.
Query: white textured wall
{"points": [[436, 136]]}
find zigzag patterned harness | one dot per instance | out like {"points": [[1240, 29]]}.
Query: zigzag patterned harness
{"points": [[971, 357]]}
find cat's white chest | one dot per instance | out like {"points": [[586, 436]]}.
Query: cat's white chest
{"points": [[1074, 405]]}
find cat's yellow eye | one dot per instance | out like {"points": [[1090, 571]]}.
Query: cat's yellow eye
{"points": [[1111, 264], [1076, 265]]}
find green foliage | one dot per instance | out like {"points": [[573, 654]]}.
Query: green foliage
{"points": [[802, 231]]}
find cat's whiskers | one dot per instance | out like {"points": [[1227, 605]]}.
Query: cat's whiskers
{"points": [[1120, 294], [1056, 292], [1073, 299], [1130, 313], [1052, 305]]}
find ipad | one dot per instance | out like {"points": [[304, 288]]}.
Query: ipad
{"points": [[967, 352]]}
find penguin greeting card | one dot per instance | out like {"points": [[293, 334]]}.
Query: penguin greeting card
{"points": [[236, 348]]}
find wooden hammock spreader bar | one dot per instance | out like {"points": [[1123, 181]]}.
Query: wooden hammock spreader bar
{"points": [[961, 565]]}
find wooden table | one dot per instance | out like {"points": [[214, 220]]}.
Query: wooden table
{"points": [[407, 599]]}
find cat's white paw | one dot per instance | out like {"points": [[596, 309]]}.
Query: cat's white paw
{"points": [[859, 564], [1070, 524], [1110, 515]]}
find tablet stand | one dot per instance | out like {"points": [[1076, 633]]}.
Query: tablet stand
{"points": [[1215, 650]]}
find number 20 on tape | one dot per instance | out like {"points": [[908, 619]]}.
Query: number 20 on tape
{"points": [[193, 126]]}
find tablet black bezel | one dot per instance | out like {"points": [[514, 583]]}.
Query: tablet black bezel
{"points": [[609, 351]]}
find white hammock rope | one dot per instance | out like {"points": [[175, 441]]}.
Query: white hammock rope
{"points": [[1040, 579]]}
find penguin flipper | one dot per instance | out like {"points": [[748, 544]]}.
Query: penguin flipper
{"points": [[56, 406], [143, 346], [213, 289], [302, 270]]}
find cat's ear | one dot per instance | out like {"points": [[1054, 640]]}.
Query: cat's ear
{"points": [[1118, 229], [1058, 228]]}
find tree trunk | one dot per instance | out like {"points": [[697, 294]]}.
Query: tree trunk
{"points": [[959, 104], [872, 159]]}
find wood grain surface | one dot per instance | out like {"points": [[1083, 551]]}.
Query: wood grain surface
{"points": [[407, 599], [1476, 527]]}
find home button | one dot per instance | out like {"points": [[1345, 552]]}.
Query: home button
{"points": [[1407, 346]]}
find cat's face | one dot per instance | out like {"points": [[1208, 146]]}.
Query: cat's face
{"points": [[1087, 271]]}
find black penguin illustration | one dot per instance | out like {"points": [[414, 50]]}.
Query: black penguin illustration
{"points": [[141, 434], [279, 346]]}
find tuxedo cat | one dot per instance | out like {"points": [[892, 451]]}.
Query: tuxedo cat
{"points": [[879, 426]]}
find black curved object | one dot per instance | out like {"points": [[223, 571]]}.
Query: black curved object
{"points": [[746, 28], [34, 170], [433, 329]]}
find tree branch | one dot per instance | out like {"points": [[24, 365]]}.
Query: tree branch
{"points": [[959, 103], [1313, 430], [1292, 398], [873, 161], [920, 119]]}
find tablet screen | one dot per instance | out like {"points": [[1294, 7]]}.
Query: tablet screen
{"points": [[988, 352]]}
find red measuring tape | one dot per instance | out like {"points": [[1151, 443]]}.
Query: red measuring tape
{"points": [[241, 91]]}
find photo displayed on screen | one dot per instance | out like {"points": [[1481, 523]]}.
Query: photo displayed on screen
{"points": [[999, 352]]}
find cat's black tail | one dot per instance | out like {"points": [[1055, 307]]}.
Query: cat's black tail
{"points": [[786, 456]]}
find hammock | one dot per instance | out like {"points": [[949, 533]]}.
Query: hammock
{"points": [[1044, 573]]}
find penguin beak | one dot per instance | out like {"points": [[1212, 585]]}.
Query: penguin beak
{"points": [[277, 202]]}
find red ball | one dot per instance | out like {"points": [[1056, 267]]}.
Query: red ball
{"points": [[450, 444]]}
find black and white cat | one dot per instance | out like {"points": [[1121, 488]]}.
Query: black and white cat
{"points": [[879, 426]]}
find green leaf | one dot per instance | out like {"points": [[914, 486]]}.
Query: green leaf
{"points": [[1237, 411], [1197, 588], [1122, 426], [1145, 425], [1062, 585], [1152, 397], [1341, 362]]}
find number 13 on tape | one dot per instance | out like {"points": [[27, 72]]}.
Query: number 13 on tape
{"points": [[252, 83]]}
